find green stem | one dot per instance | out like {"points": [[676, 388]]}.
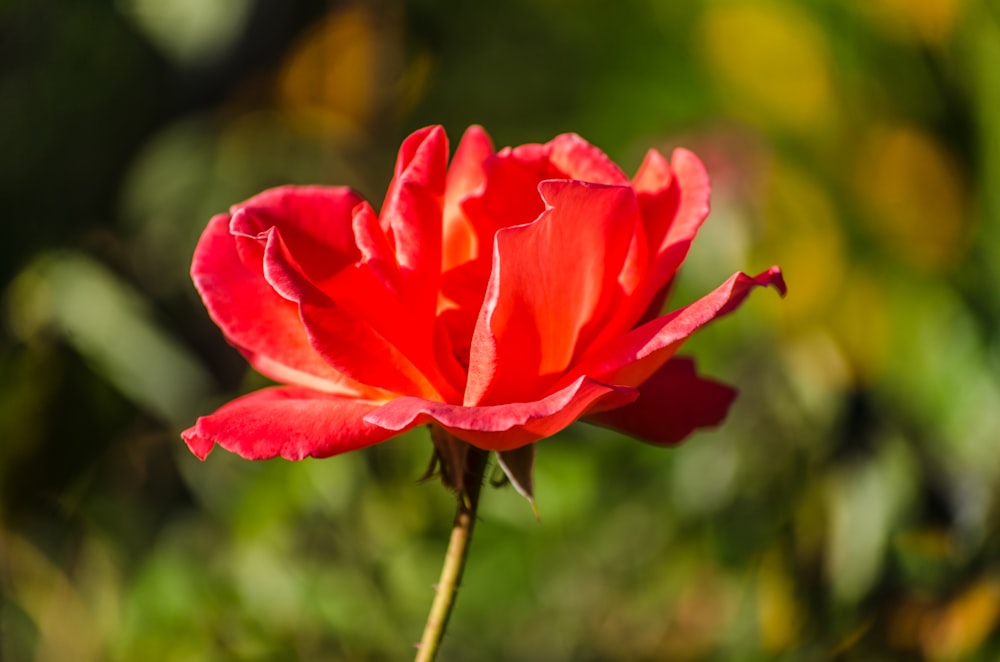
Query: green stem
{"points": [[446, 589]]}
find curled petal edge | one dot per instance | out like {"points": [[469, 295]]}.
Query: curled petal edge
{"points": [[508, 426], [265, 327], [635, 356], [289, 422]]}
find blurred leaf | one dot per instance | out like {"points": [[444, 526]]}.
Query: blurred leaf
{"points": [[111, 325], [73, 619], [864, 500], [191, 32]]}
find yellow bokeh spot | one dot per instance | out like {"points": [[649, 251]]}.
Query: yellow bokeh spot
{"points": [[860, 324], [961, 627], [330, 81], [804, 236], [772, 56], [913, 194], [779, 614]]}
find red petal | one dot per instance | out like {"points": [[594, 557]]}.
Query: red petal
{"points": [[466, 175], [355, 324], [358, 349], [511, 197], [552, 285], [326, 251], [674, 199], [672, 404], [634, 357], [404, 315], [582, 161], [292, 423], [305, 233], [504, 427], [376, 253], [465, 269], [255, 318], [411, 217]]}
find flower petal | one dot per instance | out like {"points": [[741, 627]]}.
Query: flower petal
{"points": [[552, 285], [465, 270], [508, 426], [466, 175], [510, 195], [411, 217], [674, 198], [254, 318], [354, 323], [411, 221], [311, 223], [632, 358], [376, 253], [324, 249], [672, 404], [356, 348], [292, 423], [580, 160]]}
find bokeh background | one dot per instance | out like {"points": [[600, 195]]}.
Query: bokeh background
{"points": [[850, 506]]}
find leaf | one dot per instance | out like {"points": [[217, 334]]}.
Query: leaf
{"points": [[518, 464]]}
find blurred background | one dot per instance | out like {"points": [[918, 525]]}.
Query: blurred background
{"points": [[850, 506]]}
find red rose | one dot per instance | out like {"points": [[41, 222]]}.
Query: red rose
{"points": [[501, 298]]}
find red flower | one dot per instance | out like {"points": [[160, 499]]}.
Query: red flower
{"points": [[501, 298]]}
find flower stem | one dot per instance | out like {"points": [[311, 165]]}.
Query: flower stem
{"points": [[446, 589]]}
